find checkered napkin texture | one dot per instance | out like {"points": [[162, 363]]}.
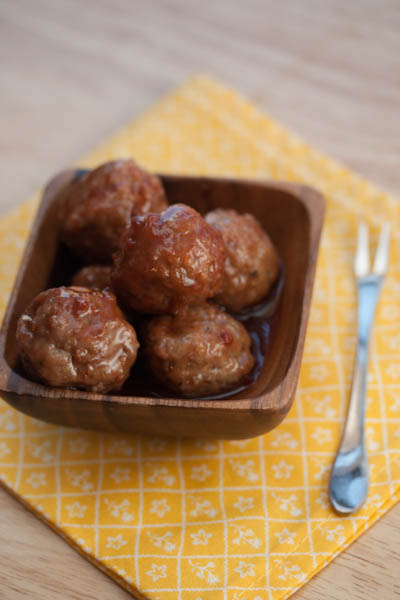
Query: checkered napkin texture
{"points": [[247, 520]]}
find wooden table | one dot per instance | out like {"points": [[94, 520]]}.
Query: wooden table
{"points": [[72, 71]]}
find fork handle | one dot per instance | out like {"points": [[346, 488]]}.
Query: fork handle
{"points": [[353, 433], [349, 476]]}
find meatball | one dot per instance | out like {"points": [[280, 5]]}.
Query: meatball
{"points": [[199, 351], [96, 208], [76, 337], [251, 265], [168, 259], [93, 277]]}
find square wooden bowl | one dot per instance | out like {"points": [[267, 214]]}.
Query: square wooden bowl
{"points": [[292, 214]]}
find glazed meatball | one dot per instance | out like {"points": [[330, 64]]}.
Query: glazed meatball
{"points": [[76, 337], [93, 276], [199, 351], [168, 259], [251, 265], [96, 208]]}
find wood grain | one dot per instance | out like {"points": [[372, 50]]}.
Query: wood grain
{"points": [[329, 70], [291, 213]]}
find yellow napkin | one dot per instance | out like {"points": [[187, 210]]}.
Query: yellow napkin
{"points": [[248, 520]]}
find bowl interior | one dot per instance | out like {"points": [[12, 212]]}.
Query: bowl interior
{"points": [[280, 209]]}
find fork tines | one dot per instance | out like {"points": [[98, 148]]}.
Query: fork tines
{"points": [[362, 259]]}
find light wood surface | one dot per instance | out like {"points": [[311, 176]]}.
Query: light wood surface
{"points": [[74, 70]]}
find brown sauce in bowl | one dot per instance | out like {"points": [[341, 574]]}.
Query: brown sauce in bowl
{"points": [[260, 321]]}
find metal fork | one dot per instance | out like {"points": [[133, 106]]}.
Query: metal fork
{"points": [[348, 486]]}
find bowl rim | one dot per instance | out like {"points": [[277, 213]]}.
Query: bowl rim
{"points": [[276, 398]]}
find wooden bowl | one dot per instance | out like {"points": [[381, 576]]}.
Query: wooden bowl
{"points": [[292, 214]]}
